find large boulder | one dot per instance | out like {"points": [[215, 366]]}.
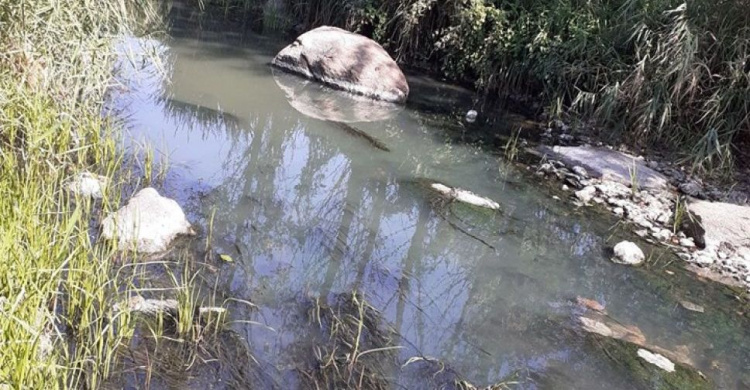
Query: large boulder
{"points": [[610, 165], [346, 61], [147, 223]]}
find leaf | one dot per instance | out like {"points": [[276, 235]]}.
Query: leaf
{"points": [[226, 258]]}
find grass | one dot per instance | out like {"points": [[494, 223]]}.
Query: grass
{"points": [[58, 284], [355, 351]]}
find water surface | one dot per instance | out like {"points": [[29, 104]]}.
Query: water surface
{"points": [[307, 209]]}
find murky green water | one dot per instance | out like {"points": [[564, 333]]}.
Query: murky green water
{"points": [[307, 209]]}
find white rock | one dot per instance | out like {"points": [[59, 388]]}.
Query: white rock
{"points": [[703, 258], [87, 184], [642, 222], [471, 116], [586, 194], [656, 359], [619, 211], [580, 171], [627, 252], [687, 242], [147, 223], [465, 196], [565, 187], [663, 235]]}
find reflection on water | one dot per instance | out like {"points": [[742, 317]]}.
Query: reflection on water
{"points": [[307, 209]]}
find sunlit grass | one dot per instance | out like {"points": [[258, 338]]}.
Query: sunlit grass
{"points": [[59, 285]]}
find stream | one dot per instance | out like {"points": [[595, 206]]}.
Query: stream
{"points": [[305, 208]]}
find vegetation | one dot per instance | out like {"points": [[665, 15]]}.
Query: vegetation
{"points": [[58, 286], [662, 72]]}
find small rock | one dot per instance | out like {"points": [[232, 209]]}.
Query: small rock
{"points": [[627, 252], [687, 242], [471, 116], [546, 168], [565, 187], [692, 188], [641, 232], [692, 306], [586, 194], [555, 197], [656, 359], [147, 223], [580, 171], [642, 222], [653, 164], [619, 211], [663, 235], [703, 259], [87, 184]]}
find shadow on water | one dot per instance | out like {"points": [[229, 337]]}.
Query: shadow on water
{"points": [[306, 210]]}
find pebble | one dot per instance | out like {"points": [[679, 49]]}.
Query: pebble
{"points": [[692, 306], [663, 235], [703, 259], [565, 187], [642, 222], [580, 171], [619, 211], [586, 194], [687, 242]]}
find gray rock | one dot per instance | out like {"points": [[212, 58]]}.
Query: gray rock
{"points": [[714, 223], [627, 252], [346, 61], [692, 188], [692, 306], [613, 189], [610, 165], [580, 171], [147, 223], [546, 168], [586, 194], [88, 185]]}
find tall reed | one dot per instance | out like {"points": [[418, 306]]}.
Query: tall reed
{"points": [[58, 285], [664, 73]]}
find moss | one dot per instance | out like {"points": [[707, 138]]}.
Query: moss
{"points": [[646, 375]]}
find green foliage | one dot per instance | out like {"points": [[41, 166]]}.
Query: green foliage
{"points": [[58, 286], [658, 72]]}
